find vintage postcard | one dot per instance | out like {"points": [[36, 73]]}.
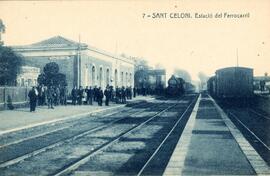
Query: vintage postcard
{"points": [[172, 87]]}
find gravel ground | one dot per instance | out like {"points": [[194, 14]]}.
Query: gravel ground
{"points": [[125, 156]]}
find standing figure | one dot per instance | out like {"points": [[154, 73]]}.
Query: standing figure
{"points": [[41, 95], [129, 93], [100, 96], [33, 99], [134, 92], [57, 96], [86, 93], [74, 95], [90, 94], [117, 95], [107, 96], [123, 95], [111, 93], [63, 95], [80, 95], [50, 97], [95, 92]]}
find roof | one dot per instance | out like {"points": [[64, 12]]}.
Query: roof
{"points": [[177, 79], [60, 43], [229, 69], [53, 42], [260, 78], [157, 71]]}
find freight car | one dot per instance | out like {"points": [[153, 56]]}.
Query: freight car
{"points": [[175, 87], [211, 85], [232, 82]]}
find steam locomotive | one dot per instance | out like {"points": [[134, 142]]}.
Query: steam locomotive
{"points": [[175, 87]]}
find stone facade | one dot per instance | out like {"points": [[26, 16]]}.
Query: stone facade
{"points": [[28, 76], [83, 65]]}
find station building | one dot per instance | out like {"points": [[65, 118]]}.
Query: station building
{"points": [[83, 65], [28, 76]]}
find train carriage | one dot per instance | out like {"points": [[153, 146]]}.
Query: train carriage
{"points": [[232, 82]]}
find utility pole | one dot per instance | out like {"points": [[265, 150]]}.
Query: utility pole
{"points": [[79, 63], [237, 64]]}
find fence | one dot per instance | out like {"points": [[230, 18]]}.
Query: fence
{"points": [[12, 97]]}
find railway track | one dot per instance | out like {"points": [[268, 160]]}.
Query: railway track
{"points": [[142, 170], [255, 128], [14, 145], [11, 163], [109, 136], [117, 141], [38, 131], [259, 114]]}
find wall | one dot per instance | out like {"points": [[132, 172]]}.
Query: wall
{"points": [[66, 66], [17, 95]]}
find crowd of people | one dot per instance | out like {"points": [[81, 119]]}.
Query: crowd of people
{"points": [[59, 95]]}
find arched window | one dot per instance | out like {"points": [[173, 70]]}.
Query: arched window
{"points": [[86, 76], [107, 77], [115, 78], [93, 76], [130, 79], [122, 78], [100, 77], [126, 81]]}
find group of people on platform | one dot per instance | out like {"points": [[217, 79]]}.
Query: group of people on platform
{"points": [[95, 94], [58, 95], [51, 96]]}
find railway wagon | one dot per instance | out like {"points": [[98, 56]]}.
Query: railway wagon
{"points": [[233, 82], [211, 85]]}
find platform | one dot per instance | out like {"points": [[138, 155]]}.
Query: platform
{"points": [[211, 145], [18, 119]]}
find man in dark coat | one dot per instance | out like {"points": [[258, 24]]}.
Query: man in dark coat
{"points": [[100, 96], [117, 95], [107, 96], [33, 99], [95, 91], [134, 92], [90, 94], [86, 93], [123, 95], [74, 92], [63, 95]]}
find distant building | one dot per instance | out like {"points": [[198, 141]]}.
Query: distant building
{"points": [[261, 84], [157, 78], [28, 76], [83, 65]]}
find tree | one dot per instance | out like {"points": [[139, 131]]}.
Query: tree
{"points": [[51, 76], [182, 74], [10, 64], [2, 30], [141, 79]]}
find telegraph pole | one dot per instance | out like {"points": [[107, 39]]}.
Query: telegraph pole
{"points": [[237, 62], [79, 63]]}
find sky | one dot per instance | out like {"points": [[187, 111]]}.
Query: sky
{"points": [[193, 44]]}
